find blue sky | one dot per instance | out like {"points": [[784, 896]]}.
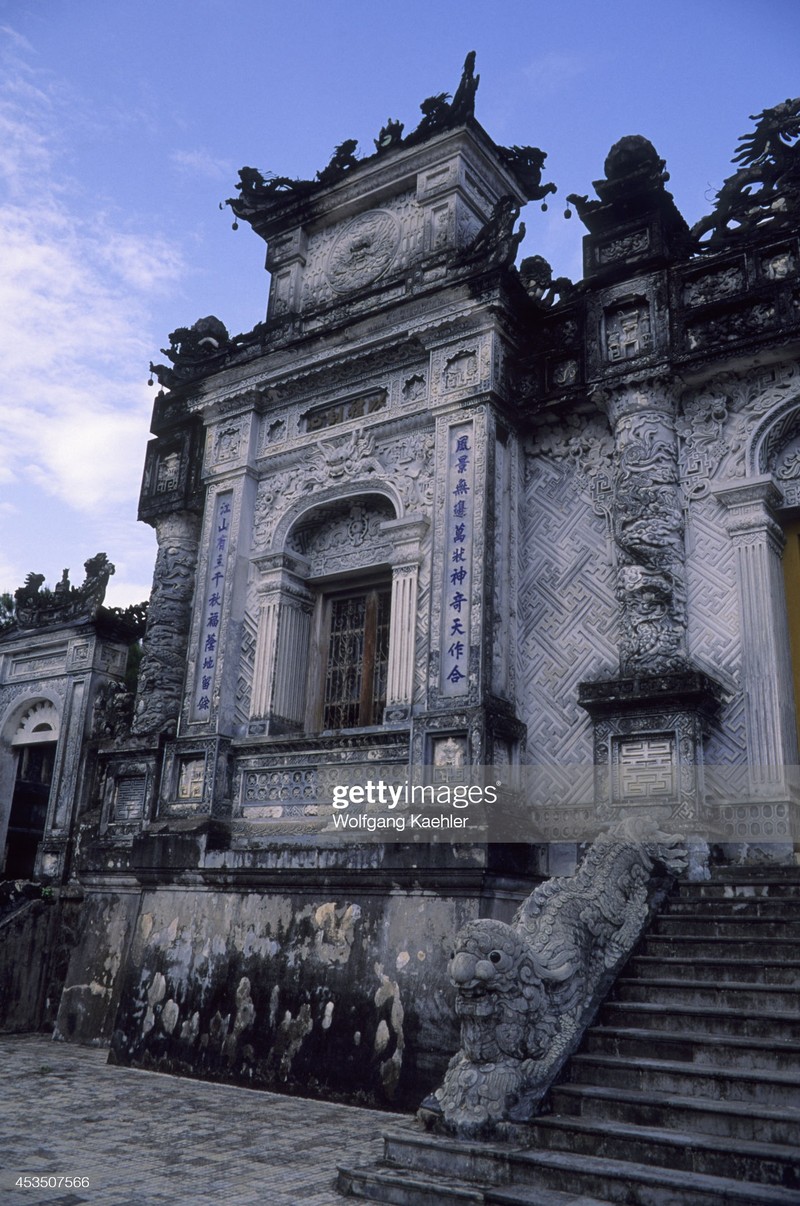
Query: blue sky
{"points": [[123, 123]]}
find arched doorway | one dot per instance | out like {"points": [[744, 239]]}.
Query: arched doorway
{"points": [[33, 745]]}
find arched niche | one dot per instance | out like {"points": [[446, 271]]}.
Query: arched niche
{"points": [[337, 613], [301, 513], [762, 509], [772, 443], [38, 722], [30, 739]]}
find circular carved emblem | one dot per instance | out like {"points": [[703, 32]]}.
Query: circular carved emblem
{"points": [[363, 251]]}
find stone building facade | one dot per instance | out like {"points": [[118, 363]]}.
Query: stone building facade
{"points": [[435, 520]]}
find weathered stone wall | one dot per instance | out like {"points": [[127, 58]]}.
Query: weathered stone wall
{"points": [[91, 992], [336, 994], [35, 944]]}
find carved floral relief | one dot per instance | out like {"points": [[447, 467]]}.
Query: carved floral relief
{"points": [[407, 463]]}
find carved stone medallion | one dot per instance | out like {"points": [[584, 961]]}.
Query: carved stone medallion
{"points": [[363, 251]]}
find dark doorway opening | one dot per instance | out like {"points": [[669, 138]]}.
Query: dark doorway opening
{"points": [[29, 808]]}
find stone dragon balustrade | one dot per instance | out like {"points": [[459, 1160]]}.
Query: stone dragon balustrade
{"points": [[526, 992], [35, 606]]}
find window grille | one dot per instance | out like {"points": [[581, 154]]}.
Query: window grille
{"points": [[358, 659]]}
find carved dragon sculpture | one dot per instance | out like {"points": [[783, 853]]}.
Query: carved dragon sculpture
{"points": [[526, 992], [36, 607], [764, 192]]}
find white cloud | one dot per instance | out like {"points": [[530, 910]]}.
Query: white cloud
{"points": [[17, 39], [76, 329], [78, 284], [202, 163]]}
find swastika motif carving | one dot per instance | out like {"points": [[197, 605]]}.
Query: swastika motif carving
{"points": [[569, 621], [247, 657]]}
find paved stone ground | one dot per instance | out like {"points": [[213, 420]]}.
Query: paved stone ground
{"points": [[143, 1138]]}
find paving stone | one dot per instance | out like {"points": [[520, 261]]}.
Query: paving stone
{"points": [[143, 1138]]}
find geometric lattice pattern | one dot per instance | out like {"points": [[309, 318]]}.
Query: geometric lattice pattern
{"points": [[714, 638], [247, 658], [568, 623]]}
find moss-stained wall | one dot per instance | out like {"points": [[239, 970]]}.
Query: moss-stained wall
{"points": [[91, 992], [338, 996]]}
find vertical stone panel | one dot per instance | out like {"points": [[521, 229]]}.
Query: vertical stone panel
{"points": [[400, 682], [291, 667], [266, 647]]}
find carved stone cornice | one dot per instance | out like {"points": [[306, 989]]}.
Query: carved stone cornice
{"points": [[407, 536], [637, 394], [750, 507], [284, 575], [689, 688], [277, 562]]}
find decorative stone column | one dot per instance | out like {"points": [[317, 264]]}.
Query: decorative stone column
{"points": [[284, 631], [649, 723], [407, 535], [766, 658], [648, 526], [163, 667]]}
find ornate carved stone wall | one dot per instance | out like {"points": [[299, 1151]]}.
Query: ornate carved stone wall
{"points": [[647, 523], [567, 608], [733, 427], [163, 668]]}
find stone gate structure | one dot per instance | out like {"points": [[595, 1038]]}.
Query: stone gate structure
{"points": [[436, 520]]}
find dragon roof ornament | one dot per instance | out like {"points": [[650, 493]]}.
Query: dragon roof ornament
{"points": [[260, 194], [36, 606], [763, 194]]}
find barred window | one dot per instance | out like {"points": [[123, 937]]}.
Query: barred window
{"points": [[357, 659]]}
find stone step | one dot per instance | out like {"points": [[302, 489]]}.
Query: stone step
{"points": [[771, 1164], [700, 946], [421, 1170], [722, 925], [514, 1176], [523, 1196], [769, 871], [543, 1175], [781, 1027], [745, 971], [719, 1051], [710, 1191], [764, 888], [626, 1183], [758, 998], [375, 1183], [670, 1111], [768, 907], [773, 1089]]}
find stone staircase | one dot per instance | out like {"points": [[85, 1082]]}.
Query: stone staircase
{"points": [[685, 1092]]}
